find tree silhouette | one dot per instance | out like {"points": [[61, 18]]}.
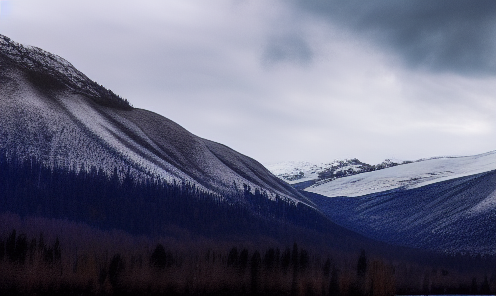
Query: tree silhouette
{"points": [[485, 289], [159, 257], [2, 249], [232, 258], [362, 264], [286, 259], [334, 284], [255, 263], [327, 267], [243, 260], [270, 258], [10, 246], [115, 270]]}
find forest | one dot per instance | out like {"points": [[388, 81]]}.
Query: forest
{"points": [[86, 232]]}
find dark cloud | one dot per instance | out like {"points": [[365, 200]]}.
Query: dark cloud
{"points": [[289, 48], [442, 36]]}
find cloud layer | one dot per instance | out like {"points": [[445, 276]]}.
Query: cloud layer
{"points": [[289, 80]]}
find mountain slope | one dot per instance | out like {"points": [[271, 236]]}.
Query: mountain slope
{"points": [[55, 113], [458, 215], [445, 204]]}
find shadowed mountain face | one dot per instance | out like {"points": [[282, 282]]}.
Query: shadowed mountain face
{"points": [[52, 111]]}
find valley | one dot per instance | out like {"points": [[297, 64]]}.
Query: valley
{"points": [[98, 197]]}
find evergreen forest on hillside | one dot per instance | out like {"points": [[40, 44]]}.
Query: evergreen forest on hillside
{"points": [[141, 206]]}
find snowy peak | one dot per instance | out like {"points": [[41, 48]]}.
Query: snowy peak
{"points": [[351, 177], [296, 172], [349, 167], [299, 172]]}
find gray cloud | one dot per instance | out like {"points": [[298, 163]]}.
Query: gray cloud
{"points": [[441, 36], [289, 48]]}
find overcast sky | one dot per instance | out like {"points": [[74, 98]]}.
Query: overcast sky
{"points": [[287, 80]]}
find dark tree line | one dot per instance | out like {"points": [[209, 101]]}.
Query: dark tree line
{"points": [[273, 258], [28, 187], [17, 249], [244, 271]]}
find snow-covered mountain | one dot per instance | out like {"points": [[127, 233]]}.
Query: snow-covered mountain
{"points": [[295, 172], [445, 204], [52, 111]]}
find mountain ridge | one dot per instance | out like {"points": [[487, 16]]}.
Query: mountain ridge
{"points": [[446, 204], [40, 61], [306, 174]]}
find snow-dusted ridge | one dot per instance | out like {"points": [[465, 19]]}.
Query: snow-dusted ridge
{"points": [[407, 176], [309, 173], [296, 171], [52, 111]]}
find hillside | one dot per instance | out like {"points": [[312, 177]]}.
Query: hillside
{"points": [[55, 113]]}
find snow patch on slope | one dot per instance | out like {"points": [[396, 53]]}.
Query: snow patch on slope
{"points": [[488, 204]]}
